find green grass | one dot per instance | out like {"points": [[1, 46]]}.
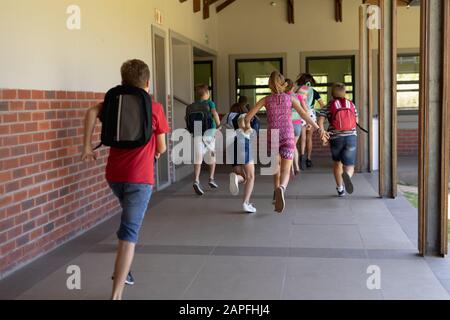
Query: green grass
{"points": [[448, 230], [412, 198]]}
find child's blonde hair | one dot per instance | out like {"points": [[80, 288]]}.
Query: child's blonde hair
{"points": [[338, 90], [277, 83]]}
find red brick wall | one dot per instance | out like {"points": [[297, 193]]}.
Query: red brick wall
{"points": [[47, 196], [318, 149], [408, 142]]}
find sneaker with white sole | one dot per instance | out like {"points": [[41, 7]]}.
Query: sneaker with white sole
{"points": [[347, 182], [234, 184], [198, 189], [340, 192], [129, 281], [213, 184], [248, 208]]}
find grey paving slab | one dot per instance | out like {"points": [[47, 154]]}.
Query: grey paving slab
{"points": [[251, 251], [327, 253], [392, 254], [409, 279], [326, 236], [373, 218], [244, 265], [301, 288], [158, 286], [385, 237], [440, 267], [311, 217], [235, 287], [328, 279], [169, 263], [256, 239]]}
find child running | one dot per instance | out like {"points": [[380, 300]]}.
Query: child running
{"points": [[343, 118], [243, 163], [279, 117], [130, 172], [305, 83], [206, 147], [297, 122]]}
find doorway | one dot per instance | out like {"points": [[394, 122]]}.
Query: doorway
{"points": [[181, 56], [204, 74], [327, 70], [204, 67], [160, 94]]}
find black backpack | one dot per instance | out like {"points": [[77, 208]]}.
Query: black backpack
{"points": [[198, 112], [126, 118]]}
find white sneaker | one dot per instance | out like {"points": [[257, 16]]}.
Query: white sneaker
{"points": [[248, 208], [234, 184]]}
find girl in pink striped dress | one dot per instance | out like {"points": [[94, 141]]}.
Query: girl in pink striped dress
{"points": [[279, 117]]}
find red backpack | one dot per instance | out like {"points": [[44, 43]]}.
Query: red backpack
{"points": [[343, 115]]}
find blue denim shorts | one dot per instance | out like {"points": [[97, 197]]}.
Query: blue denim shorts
{"points": [[243, 152], [297, 130], [343, 149], [134, 199]]}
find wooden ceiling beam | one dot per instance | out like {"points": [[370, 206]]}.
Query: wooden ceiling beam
{"points": [[206, 4], [338, 10], [197, 6], [291, 12], [206, 7]]}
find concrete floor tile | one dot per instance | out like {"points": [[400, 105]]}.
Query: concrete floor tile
{"points": [[326, 236]]}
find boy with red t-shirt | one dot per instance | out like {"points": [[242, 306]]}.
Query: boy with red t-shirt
{"points": [[130, 173]]}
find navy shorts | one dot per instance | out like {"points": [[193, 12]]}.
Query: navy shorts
{"points": [[134, 199], [343, 149]]}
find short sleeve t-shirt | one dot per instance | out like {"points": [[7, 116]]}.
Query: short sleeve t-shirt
{"points": [[316, 97], [212, 106], [296, 119], [137, 165]]}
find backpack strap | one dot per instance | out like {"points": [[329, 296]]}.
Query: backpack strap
{"points": [[348, 105], [98, 147]]}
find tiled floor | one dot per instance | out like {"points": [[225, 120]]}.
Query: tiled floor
{"points": [[204, 248]]}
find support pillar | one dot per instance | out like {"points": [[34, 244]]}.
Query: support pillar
{"points": [[433, 127], [364, 102], [388, 99]]}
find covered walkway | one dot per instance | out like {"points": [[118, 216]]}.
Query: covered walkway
{"points": [[321, 248], [56, 211]]}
